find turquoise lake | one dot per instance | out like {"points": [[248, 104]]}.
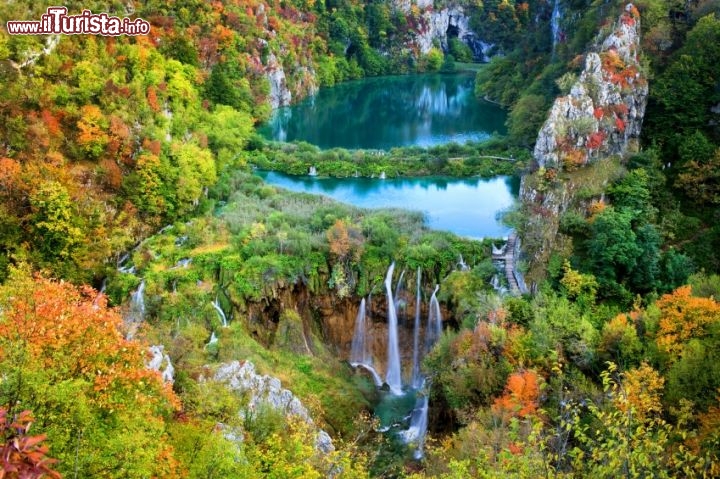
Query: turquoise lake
{"points": [[385, 112], [467, 207]]}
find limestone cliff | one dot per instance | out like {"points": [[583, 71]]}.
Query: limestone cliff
{"points": [[441, 24], [288, 76], [599, 119]]}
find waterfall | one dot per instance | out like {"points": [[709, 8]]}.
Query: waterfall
{"points": [[220, 312], [399, 304], [183, 263], [358, 351], [462, 264], [415, 434], [416, 430], [359, 355], [555, 23], [499, 251], [127, 269], [416, 378], [393, 376], [136, 311], [213, 339], [376, 377], [137, 303], [418, 424], [103, 287], [312, 171], [398, 287], [433, 329]]}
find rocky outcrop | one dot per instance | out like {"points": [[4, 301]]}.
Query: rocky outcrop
{"points": [[161, 363], [441, 24], [280, 94], [603, 113], [240, 376], [600, 117]]}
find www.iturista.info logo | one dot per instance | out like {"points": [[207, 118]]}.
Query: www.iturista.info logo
{"points": [[57, 21]]}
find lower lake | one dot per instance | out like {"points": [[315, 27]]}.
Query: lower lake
{"points": [[465, 206]]}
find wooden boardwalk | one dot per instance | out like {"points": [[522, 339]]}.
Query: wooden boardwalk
{"points": [[508, 255]]}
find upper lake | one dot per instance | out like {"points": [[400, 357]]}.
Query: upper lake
{"points": [[465, 206], [386, 112]]}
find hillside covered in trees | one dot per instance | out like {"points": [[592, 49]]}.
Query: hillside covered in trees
{"points": [[146, 274]]}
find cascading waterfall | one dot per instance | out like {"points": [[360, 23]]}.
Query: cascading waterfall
{"points": [[358, 351], [415, 434], [360, 356], [213, 339], [137, 303], [416, 378], [462, 264], [417, 431], [103, 287], [160, 358], [183, 263], [399, 303], [136, 312], [393, 376], [398, 287], [555, 23], [220, 312], [433, 329]]}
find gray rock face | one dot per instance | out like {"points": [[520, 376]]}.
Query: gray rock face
{"points": [[438, 22], [280, 95], [605, 107], [160, 362], [263, 389], [600, 117]]}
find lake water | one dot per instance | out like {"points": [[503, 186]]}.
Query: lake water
{"points": [[385, 112], [467, 207]]}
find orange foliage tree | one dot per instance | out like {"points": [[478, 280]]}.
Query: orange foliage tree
{"points": [[62, 355], [346, 240], [684, 317], [521, 395], [71, 330]]}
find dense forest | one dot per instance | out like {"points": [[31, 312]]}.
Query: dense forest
{"points": [[146, 273]]}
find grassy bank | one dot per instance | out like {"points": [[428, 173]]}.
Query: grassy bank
{"points": [[486, 159]]}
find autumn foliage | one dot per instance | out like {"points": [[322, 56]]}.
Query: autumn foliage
{"points": [[521, 395], [72, 330], [63, 355], [684, 317], [23, 456]]}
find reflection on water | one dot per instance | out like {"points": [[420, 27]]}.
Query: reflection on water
{"points": [[467, 207], [382, 113]]}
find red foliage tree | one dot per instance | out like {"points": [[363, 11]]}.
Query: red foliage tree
{"points": [[22, 456], [595, 140]]}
